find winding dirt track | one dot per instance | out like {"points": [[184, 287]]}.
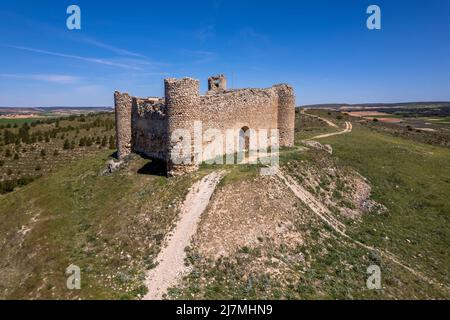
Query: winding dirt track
{"points": [[171, 268], [326, 216], [331, 124], [348, 126], [348, 129]]}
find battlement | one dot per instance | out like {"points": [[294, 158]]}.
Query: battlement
{"points": [[146, 126]]}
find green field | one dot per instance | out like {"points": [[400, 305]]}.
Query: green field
{"points": [[413, 181]]}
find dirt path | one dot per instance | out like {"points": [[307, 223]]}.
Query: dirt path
{"points": [[348, 129], [326, 216], [328, 122], [348, 126], [171, 266]]}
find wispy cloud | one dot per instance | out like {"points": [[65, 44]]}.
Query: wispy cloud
{"points": [[78, 37], [55, 78], [205, 33], [102, 45], [200, 56], [87, 59]]}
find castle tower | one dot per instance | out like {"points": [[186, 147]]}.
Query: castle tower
{"points": [[122, 105], [182, 98], [286, 114], [217, 83]]}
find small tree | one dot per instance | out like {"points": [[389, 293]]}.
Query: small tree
{"points": [[43, 153], [8, 153], [66, 144], [112, 143]]}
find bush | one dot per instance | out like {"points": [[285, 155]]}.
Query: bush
{"points": [[112, 143], [7, 186], [66, 145]]}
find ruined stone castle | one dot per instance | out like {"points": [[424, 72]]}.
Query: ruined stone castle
{"points": [[146, 126]]}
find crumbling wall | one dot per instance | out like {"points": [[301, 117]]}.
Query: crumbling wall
{"points": [[149, 127], [162, 127], [217, 83], [122, 103], [286, 114], [183, 105], [235, 109]]}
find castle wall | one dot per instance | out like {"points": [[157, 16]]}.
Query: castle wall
{"points": [[183, 109], [123, 102], [149, 127], [236, 109], [163, 127], [286, 114]]}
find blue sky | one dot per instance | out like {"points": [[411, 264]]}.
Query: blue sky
{"points": [[323, 48]]}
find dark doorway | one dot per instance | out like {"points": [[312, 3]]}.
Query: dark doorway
{"points": [[155, 167]]}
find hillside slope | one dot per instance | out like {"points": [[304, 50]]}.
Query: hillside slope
{"points": [[109, 226], [256, 239]]}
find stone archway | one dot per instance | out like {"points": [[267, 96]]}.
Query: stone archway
{"points": [[244, 138]]}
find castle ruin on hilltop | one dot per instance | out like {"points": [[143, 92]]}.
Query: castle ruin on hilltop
{"points": [[146, 126]]}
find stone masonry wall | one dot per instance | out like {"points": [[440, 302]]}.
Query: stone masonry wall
{"points": [[183, 109], [147, 126], [286, 114], [122, 102], [236, 109]]}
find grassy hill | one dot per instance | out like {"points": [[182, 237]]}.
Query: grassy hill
{"points": [[256, 240], [110, 226]]}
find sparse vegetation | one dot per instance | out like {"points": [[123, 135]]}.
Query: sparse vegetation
{"points": [[28, 144], [112, 226]]}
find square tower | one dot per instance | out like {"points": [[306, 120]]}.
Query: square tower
{"points": [[217, 83]]}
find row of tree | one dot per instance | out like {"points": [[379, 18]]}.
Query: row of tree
{"points": [[24, 135]]}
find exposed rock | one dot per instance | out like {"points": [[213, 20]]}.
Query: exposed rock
{"points": [[318, 145]]}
